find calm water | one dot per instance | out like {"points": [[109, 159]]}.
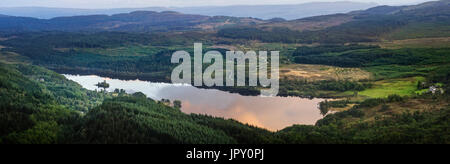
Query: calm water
{"points": [[273, 113]]}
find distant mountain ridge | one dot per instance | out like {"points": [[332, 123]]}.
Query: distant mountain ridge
{"points": [[433, 10], [138, 21], [289, 12], [427, 19], [440, 7]]}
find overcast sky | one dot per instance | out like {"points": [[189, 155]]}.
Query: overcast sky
{"points": [[171, 3]]}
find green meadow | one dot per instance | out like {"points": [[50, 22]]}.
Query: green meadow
{"points": [[384, 88]]}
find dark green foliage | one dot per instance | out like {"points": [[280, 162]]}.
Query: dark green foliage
{"points": [[362, 29], [333, 48], [65, 92], [39, 106], [139, 95], [385, 108], [42, 49], [371, 57], [303, 134], [342, 86], [88, 53], [14, 119], [244, 134], [29, 110], [355, 111], [366, 26], [394, 98], [103, 85], [314, 89], [245, 91], [177, 104], [31, 114], [286, 35], [283, 35], [139, 120], [326, 105], [333, 61], [340, 55], [408, 128], [139, 21], [441, 75], [384, 63]]}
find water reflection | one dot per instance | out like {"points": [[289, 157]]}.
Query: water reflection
{"points": [[273, 113]]}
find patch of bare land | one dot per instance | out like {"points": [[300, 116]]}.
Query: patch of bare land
{"points": [[228, 47], [12, 58], [321, 72], [115, 24], [443, 42], [226, 21], [248, 46], [212, 26], [313, 23], [409, 106], [348, 107], [391, 109]]}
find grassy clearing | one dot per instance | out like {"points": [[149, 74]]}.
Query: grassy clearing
{"points": [[441, 42], [321, 72], [409, 106], [396, 71], [349, 106], [12, 58], [384, 88], [421, 30]]}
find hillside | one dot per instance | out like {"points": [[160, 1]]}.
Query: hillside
{"points": [[374, 24], [32, 114], [376, 69], [138, 21], [380, 23], [56, 110], [291, 11]]}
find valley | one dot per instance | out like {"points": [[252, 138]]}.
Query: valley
{"points": [[355, 78]]}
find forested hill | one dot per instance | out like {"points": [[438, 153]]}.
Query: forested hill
{"points": [[430, 19], [38, 106], [391, 102], [138, 21], [289, 11], [423, 20], [427, 8]]}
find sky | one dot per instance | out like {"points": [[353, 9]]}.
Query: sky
{"points": [[91, 4]]}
